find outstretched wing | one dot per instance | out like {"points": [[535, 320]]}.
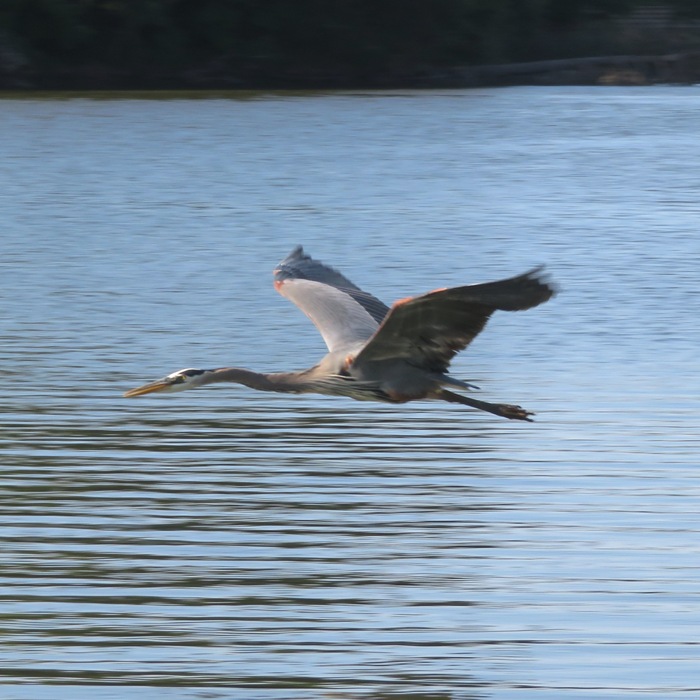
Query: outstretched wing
{"points": [[429, 330], [344, 314]]}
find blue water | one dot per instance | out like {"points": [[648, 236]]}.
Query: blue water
{"points": [[224, 543]]}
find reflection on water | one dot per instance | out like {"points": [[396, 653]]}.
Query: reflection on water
{"points": [[211, 552], [225, 543]]}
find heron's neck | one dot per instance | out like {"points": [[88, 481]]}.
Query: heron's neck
{"points": [[275, 381]]}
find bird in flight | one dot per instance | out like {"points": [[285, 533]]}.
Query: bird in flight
{"points": [[377, 353]]}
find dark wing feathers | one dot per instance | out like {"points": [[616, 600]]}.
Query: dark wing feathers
{"points": [[514, 294], [426, 331], [298, 265], [429, 330]]}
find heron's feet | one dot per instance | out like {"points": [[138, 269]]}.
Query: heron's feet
{"points": [[514, 412]]}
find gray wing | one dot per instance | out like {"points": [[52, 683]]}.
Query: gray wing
{"points": [[429, 330], [344, 314]]}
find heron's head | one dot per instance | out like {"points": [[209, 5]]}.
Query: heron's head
{"points": [[177, 381]]}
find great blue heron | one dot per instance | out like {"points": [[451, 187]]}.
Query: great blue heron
{"points": [[377, 353]]}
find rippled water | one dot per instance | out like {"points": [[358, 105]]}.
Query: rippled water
{"points": [[224, 543]]}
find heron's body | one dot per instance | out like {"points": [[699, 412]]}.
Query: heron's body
{"points": [[377, 353]]}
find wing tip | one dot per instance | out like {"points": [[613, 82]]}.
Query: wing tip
{"points": [[296, 255], [539, 275]]}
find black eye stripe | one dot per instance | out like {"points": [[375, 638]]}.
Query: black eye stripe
{"points": [[193, 372]]}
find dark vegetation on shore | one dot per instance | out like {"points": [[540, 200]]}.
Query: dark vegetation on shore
{"points": [[248, 44]]}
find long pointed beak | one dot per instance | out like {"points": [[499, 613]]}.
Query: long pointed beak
{"points": [[147, 388]]}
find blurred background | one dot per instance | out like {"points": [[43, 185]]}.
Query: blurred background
{"points": [[327, 43]]}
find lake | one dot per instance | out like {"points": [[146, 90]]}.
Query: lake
{"points": [[225, 543]]}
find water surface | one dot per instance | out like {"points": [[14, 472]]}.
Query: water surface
{"points": [[224, 543]]}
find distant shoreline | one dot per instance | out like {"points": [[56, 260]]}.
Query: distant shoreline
{"points": [[679, 68], [683, 68]]}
